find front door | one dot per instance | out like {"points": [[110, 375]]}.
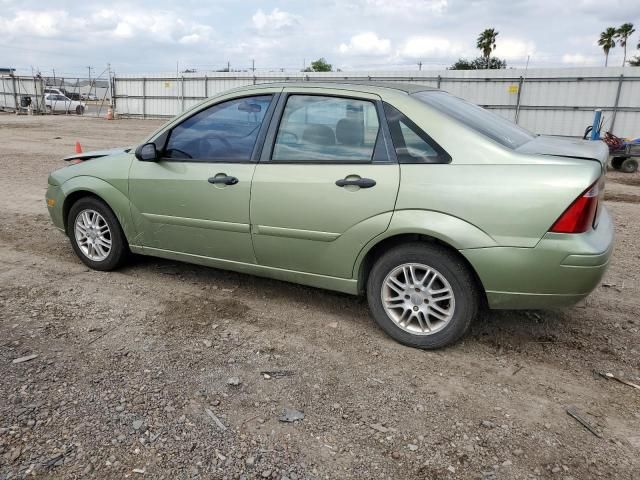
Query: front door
{"points": [[195, 200], [325, 184]]}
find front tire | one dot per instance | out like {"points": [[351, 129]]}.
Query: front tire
{"points": [[95, 234], [422, 295]]}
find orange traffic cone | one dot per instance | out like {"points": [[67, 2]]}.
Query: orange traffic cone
{"points": [[78, 147]]}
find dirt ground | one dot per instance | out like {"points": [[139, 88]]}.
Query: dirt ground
{"points": [[156, 370]]}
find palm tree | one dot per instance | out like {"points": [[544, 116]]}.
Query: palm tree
{"points": [[607, 42], [622, 35], [487, 43]]}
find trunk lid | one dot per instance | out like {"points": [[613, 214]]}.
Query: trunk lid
{"points": [[567, 147]]}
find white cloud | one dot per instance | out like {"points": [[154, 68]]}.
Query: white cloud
{"points": [[429, 46], [37, 23], [274, 22], [407, 7], [158, 26], [513, 48], [580, 59], [367, 43]]}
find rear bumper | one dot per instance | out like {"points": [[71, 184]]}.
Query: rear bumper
{"points": [[559, 271]]}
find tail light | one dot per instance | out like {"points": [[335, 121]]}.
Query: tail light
{"points": [[581, 214]]}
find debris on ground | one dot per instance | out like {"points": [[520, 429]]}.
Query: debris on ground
{"points": [[291, 415], [573, 412], [215, 419], [233, 381], [611, 376], [267, 374], [25, 359]]}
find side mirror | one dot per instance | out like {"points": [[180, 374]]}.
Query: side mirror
{"points": [[147, 152]]}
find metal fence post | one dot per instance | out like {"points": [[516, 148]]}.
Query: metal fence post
{"points": [[206, 87], [615, 105], [15, 93], [520, 84], [439, 80], [144, 97], [182, 94]]}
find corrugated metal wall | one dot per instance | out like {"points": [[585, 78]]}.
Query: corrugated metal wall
{"points": [[546, 101]]}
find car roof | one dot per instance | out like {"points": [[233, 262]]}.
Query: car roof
{"points": [[359, 85]]}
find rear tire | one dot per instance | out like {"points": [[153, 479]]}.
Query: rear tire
{"points": [[79, 110], [406, 275], [96, 235], [630, 165]]}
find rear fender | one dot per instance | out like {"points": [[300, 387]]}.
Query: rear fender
{"points": [[448, 229]]}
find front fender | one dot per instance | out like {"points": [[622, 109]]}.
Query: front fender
{"points": [[446, 228], [117, 201]]}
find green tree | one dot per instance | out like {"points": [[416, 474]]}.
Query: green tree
{"points": [[319, 65], [478, 64], [487, 44], [622, 35], [607, 42]]}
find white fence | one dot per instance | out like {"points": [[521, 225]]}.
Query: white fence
{"points": [[546, 101]]}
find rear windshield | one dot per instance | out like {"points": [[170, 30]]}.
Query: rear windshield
{"points": [[483, 121]]}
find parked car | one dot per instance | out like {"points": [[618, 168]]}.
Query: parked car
{"points": [[53, 90], [59, 103], [431, 206], [88, 96]]}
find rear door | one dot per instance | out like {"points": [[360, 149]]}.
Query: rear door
{"points": [[326, 183]]}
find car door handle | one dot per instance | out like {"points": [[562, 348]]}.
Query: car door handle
{"points": [[358, 182], [223, 179]]}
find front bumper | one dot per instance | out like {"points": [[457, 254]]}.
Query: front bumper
{"points": [[559, 271], [55, 201]]}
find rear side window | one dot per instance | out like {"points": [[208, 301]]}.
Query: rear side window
{"points": [[330, 129], [487, 123], [225, 132], [412, 144]]}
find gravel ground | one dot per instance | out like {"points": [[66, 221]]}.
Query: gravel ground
{"points": [[156, 370]]}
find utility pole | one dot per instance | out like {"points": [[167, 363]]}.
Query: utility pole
{"points": [[420, 65], [228, 66], [253, 65]]}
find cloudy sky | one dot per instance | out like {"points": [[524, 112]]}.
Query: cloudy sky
{"points": [[151, 36]]}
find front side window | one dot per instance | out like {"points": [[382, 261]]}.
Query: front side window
{"points": [[326, 129], [412, 144], [482, 121], [224, 132]]}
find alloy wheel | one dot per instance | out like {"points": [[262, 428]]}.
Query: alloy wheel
{"points": [[418, 298], [93, 235]]}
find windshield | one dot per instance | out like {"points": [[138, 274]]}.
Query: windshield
{"points": [[483, 121]]}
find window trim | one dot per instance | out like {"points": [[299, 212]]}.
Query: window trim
{"points": [[443, 156], [383, 140], [162, 140]]}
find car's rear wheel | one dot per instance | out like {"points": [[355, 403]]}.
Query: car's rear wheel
{"points": [[422, 295], [79, 110], [95, 234]]}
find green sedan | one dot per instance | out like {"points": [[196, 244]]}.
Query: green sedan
{"points": [[431, 206]]}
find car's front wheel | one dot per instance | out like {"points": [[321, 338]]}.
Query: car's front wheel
{"points": [[422, 295], [95, 234]]}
